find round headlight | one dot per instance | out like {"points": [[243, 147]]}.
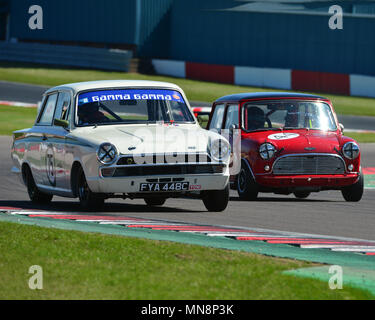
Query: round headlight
{"points": [[107, 153], [220, 150], [267, 151], [350, 150]]}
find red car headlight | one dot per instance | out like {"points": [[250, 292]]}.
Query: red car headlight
{"points": [[267, 151], [350, 150]]}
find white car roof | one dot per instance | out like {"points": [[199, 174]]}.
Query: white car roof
{"points": [[104, 84]]}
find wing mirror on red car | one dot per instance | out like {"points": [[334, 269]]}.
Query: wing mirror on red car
{"points": [[232, 128], [203, 120], [341, 127]]}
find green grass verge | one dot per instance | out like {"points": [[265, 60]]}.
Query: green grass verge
{"points": [[195, 90], [361, 137], [79, 265], [12, 119]]}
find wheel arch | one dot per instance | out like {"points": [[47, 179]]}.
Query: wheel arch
{"points": [[25, 168], [76, 167], [246, 163]]}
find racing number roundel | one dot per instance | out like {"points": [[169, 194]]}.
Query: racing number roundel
{"points": [[50, 166], [283, 136]]}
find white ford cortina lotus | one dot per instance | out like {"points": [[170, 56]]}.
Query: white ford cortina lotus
{"points": [[121, 139]]}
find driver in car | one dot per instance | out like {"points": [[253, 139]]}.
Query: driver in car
{"points": [[89, 114], [291, 118], [255, 118]]}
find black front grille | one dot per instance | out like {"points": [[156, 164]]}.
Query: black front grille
{"points": [[163, 159], [158, 170], [309, 164]]}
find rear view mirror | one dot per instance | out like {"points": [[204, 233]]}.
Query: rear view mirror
{"points": [[341, 127]]}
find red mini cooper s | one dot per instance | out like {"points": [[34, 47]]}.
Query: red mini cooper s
{"points": [[290, 143]]}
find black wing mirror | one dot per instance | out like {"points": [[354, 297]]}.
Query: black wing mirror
{"points": [[203, 120], [61, 123]]}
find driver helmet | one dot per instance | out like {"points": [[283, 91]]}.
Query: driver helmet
{"points": [[87, 111], [291, 118], [255, 118]]}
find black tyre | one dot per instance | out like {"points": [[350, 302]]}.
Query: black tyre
{"points": [[89, 200], [35, 195], [301, 194], [216, 200], [247, 188], [155, 201], [354, 192]]}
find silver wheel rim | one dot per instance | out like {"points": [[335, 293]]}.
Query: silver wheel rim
{"points": [[242, 181]]}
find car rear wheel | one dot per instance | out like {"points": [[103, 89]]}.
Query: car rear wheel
{"points": [[247, 188], [354, 192], [301, 194], [216, 200], [35, 195], [88, 199], [155, 201]]}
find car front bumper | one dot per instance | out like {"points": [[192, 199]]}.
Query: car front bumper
{"points": [[323, 181], [131, 185]]}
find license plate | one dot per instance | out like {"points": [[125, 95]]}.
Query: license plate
{"points": [[164, 187]]}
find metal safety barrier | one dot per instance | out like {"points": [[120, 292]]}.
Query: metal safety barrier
{"points": [[75, 56]]}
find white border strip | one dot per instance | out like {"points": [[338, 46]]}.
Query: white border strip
{"points": [[362, 85], [170, 68], [18, 104], [263, 77]]}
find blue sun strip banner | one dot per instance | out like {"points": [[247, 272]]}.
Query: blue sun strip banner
{"points": [[135, 94]]}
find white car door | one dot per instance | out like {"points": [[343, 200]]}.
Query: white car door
{"points": [[42, 133], [56, 156]]}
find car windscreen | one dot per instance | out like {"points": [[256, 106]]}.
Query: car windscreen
{"points": [[131, 106], [314, 115]]}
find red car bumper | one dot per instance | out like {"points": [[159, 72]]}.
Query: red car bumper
{"points": [[290, 181]]}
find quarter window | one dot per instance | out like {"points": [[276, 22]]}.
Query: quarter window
{"points": [[232, 116], [62, 107], [48, 111], [217, 118]]}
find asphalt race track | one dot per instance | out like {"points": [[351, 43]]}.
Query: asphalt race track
{"points": [[27, 93], [20, 92], [324, 213]]}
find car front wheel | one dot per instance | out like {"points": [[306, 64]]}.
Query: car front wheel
{"points": [[354, 192], [216, 200], [88, 199], [301, 194], [247, 188]]}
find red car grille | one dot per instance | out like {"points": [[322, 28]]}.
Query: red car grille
{"points": [[309, 164]]}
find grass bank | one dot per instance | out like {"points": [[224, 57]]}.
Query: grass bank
{"points": [[79, 265], [12, 119]]}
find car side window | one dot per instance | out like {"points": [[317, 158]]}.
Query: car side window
{"points": [[48, 111], [217, 117], [232, 116], [62, 107]]}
